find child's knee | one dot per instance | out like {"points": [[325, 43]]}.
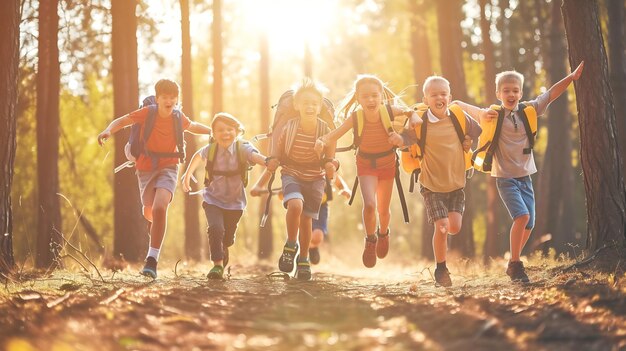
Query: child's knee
{"points": [[454, 228], [369, 208], [317, 236], [295, 205], [523, 220], [159, 211], [215, 231], [442, 227]]}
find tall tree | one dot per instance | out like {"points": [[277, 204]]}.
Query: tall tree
{"points": [[130, 239], [266, 233], [422, 68], [554, 198], [218, 66], [192, 208], [9, 59], [449, 16], [48, 81], [601, 164], [491, 248], [617, 69]]}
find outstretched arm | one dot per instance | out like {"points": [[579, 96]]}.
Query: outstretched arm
{"points": [[476, 112], [557, 89], [414, 119], [196, 160], [198, 128], [332, 137], [114, 127]]}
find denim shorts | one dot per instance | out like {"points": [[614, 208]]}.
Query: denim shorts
{"points": [[321, 222], [518, 197], [310, 192]]}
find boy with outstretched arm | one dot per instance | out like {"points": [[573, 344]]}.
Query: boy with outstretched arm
{"points": [[510, 158], [442, 176], [157, 173], [303, 175]]}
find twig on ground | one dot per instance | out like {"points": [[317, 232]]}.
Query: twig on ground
{"points": [[111, 298], [176, 268], [59, 300], [82, 254], [588, 259]]}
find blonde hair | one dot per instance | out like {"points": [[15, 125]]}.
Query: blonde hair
{"points": [[311, 86], [508, 77], [432, 79], [350, 103], [229, 120]]}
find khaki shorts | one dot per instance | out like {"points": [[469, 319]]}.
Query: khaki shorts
{"points": [[149, 181]]}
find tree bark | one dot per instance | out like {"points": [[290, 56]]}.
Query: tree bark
{"points": [[266, 233], [602, 169], [490, 248], [556, 179], [420, 46], [449, 16], [193, 247], [617, 69], [218, 67], [49, 240], [130, 236], [9, 59]]}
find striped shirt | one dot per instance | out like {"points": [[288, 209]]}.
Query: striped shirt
{"points": [[302, 152], [373, 141]]}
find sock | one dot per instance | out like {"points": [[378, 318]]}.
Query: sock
{"points": [[291, 244], [441, 265], [152, 252], [371, 237], [303, 259]]}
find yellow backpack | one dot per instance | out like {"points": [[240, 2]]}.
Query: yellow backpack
{"points": [[482, 159], [411, 157]]}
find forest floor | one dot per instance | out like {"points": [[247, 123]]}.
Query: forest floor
{"points": [[386, 308]]}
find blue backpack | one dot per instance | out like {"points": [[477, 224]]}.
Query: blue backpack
{"points": [[137, 141]]}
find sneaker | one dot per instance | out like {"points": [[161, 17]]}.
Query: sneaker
{"points": [[314, 255], [303, 270], [225, 259], [382, 248], [369, 253], [217, 272], [150, 268], [287, 259], [442, 277], [516, 271]]}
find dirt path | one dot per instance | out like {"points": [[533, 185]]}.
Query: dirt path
{"points": [[339, 312]]}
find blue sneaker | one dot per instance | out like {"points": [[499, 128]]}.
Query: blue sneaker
{"points": [[150, 268], [287, 259]]}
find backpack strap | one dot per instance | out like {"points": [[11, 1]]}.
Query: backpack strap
{"points": [[458, 121], [179, 134]]}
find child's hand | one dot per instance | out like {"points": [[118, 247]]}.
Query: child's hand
{"points": [[272, 164], [467, 143], [102, 137], [319, 147], [487, 114], [346, 193], [395, 139], [330, 169], [578, 71], [414, 121]]}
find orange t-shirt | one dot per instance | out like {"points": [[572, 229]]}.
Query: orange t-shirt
{"points": [[162, 138]]}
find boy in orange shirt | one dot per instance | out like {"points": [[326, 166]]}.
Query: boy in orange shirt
{"points": [[157, 173]]}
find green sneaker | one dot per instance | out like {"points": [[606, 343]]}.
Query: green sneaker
{"points": [[303, 270], [217, 272]]}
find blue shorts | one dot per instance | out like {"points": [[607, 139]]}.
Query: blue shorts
{"points": [[518, 197], [321, 222], [310, 192]]}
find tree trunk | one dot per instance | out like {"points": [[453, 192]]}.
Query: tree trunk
{"points": [[266, 234], [490, 248], [9, 59], [422, 68], [192, 221], [617, 68], [556, 179], [420, 46], [449, 16], [218, 67], [308, 60], [602, 169], [48, 80], [130, 239]]}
